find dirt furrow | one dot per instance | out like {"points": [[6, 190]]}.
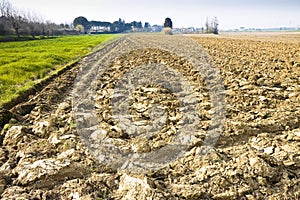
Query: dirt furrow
{"points": [[147, 117]]}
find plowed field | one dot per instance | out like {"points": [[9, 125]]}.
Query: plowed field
{"points": [[162, 117]]}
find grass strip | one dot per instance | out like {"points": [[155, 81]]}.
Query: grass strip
{"points": [[23, 64]]}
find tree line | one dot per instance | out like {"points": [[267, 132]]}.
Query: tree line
{"points": [[83, 25], [23, 23], [28, 23]]}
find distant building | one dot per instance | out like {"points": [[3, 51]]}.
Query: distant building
{"points": [[189, 30], [99, 29]]}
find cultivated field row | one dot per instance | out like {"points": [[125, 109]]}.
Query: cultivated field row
{"points": [[111, 126]]}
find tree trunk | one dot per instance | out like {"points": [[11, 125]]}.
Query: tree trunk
{"points": [[17, 32]]}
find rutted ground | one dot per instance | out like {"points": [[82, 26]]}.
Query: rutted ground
{"points": [[257, 155], [263, 97]]}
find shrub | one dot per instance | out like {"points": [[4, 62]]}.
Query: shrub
{"points": [[168, 31]]}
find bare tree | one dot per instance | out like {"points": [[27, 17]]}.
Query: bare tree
{"points": [[4, 23], [215, 24], [50, 28], [32, 22], [16, 20], [13, 15], [211, 26], [4, 6], [43, 28], [207, 25]]}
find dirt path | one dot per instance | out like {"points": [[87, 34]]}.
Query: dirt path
{"points": [[144, 118]]}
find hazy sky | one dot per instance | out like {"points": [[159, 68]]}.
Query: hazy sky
{"points": [[184, 13]]}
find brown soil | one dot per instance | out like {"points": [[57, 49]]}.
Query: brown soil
{"points": [[43, 156]]}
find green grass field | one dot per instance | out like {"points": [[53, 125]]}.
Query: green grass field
{"points": [[24, 63]]}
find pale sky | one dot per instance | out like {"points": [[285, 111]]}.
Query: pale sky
{"points": [[184, 13]]}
